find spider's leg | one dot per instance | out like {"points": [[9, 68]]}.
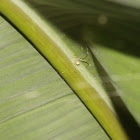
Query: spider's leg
{"points": [[85, 56], [84, 61]]}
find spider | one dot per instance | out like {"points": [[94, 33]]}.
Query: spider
{"points": [[79, 59]]}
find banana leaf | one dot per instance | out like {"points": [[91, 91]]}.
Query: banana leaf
{"points": [[63, 51]]}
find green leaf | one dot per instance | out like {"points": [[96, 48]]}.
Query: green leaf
{"points": [[35, 102], [46, 32]]}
